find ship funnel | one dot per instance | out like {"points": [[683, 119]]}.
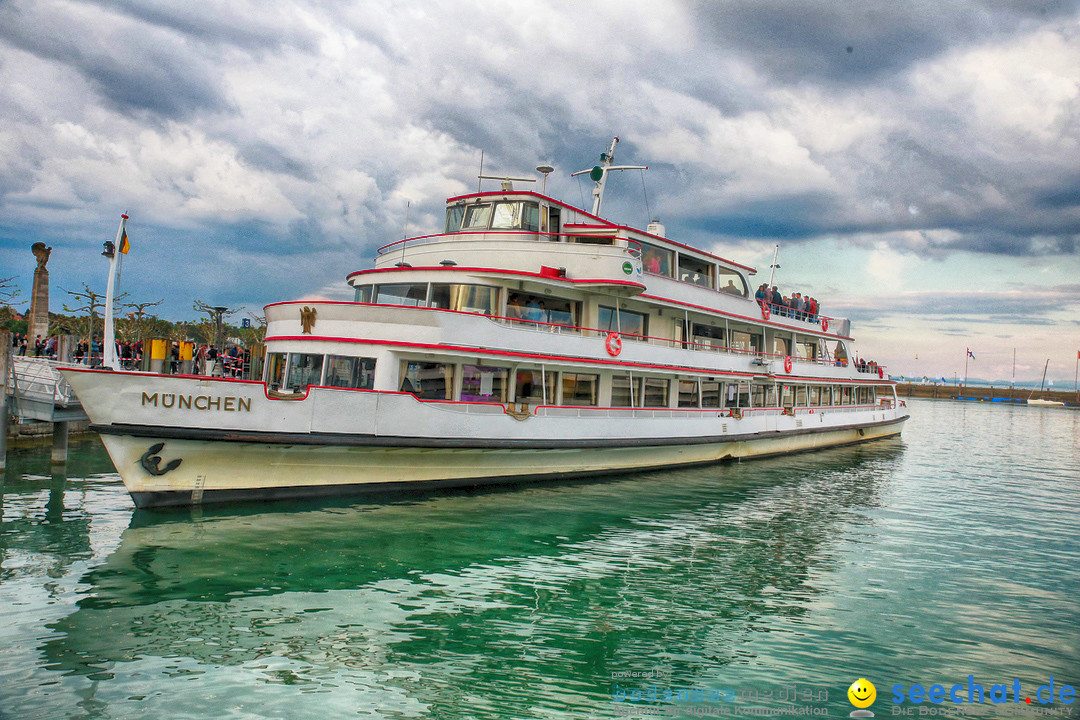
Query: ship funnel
{"points": [[656, 228]]}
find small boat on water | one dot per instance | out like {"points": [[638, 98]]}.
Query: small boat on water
{"points": [[1041, 402], [529, 339]]}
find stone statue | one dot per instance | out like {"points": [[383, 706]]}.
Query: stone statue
{"points": [[41, 252]]}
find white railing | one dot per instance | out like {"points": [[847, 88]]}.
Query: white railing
{"points": [[37, 378]]}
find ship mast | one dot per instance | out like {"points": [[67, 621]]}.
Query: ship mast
{"points": [[598, 174]]}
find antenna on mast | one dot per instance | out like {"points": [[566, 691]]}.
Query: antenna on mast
{"points": [[598, 174]]}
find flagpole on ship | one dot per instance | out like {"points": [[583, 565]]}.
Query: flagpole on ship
{"points": [[109, 341]]}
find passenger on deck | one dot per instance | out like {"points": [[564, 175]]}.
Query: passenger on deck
{"points": [[513, 307]]}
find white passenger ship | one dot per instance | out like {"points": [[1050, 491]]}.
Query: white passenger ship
{"points": [[529, 340]]}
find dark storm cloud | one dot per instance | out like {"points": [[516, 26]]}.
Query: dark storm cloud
{"points": [[132, 71], [853, 42], [216, 24]]}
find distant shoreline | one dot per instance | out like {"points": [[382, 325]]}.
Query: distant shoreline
{"points": [[988, 393]]}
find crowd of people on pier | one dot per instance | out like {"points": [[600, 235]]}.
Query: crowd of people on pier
{"points": [[796, 305], [206, 359]]}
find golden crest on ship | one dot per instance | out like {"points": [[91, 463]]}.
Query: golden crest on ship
{"points": [[307, 319]]}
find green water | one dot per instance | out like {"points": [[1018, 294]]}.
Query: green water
{"points": [[954, 551]]}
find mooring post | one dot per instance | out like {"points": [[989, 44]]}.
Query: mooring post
{"points": [[59, 443], [6, 364]]}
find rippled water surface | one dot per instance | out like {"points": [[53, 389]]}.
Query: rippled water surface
{"points": [[953, 551]]}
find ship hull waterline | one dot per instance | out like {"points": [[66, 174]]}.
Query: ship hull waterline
{"points": [[217, 471]]}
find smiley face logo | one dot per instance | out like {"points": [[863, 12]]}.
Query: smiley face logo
{"points": [[862, 693]]}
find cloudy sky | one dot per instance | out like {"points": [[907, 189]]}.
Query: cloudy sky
{"points": [[918, 162]]}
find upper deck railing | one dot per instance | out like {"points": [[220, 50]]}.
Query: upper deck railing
{"points": [[631, 246]]}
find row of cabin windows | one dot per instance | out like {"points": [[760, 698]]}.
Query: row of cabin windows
{"points": [[294, 372], [484, 300], [661, 261], [483, 383], [496, 216]]}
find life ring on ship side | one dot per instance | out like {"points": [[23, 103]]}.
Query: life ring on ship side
{"points": [[824, 324], [787, 364], [881, 372], [613, 344], [765, 312]]}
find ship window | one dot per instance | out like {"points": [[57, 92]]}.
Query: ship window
{"points": [[694, 271], [656, 260], [530, 216], [845, 395], [506, 215], [480, 383], [787, 395], [363, 293], [579, 388], [815, 395], [742, 341], [542, 308], [706, 336], [779, 346], [477, 216], [620, 391], [758, 393], [770, 396], [806, 350], [627, 321], [464, 298], [528, 387], [413, 295], [303, 370], [656, 392], [429, 381], [730, 282], [688, 393], [275, 370], [800, 396], [453, 218], [743, 395], [710, 393], [350, 372]]}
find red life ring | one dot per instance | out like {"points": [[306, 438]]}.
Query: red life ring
{"points": [[613, 344], [765, 311], [824, 324], [787, 364], [881, 372]]}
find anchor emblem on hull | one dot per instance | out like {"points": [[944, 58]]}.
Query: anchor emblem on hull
{"points": [[150, 460]]}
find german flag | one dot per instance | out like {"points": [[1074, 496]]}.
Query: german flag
{"points": [[124, 244]]}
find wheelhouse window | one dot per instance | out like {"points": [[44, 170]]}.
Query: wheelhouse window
{"points": [[412, 295], [481, 383], [516, 215], [579, 388], [464, 298], [730, 282], [656, 260], [303, 370], [454, 216], [695, 271], [477, 216], [363, 293], [350, 372], [625, 321], [428, 381]]}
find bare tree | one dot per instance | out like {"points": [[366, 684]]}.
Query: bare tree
{"points": [[216, 313], [138, 317], [8, 292], [92, 302]]}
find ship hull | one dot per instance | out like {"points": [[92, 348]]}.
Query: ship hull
{"points": [[211, 448]]}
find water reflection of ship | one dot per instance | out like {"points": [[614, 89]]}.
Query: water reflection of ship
{"points": [[357, 586]]}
